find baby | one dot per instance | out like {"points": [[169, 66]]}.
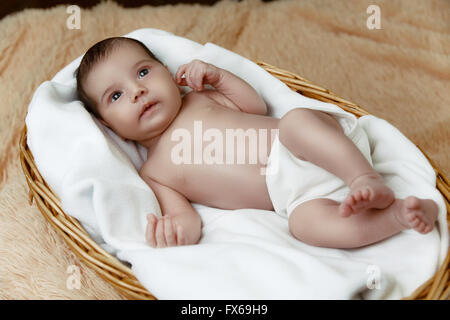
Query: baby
{"points": [[130, 91]]}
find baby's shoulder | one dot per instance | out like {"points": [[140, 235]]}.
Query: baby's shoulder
{"points": [[144, 170], [214, 96], [160, 169], [158, 159]]}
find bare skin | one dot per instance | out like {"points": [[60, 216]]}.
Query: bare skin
{"points": [[366, 191], [371, 225], [310, 135]]}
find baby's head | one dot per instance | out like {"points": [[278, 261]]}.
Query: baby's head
{"points": [[118, 78]]}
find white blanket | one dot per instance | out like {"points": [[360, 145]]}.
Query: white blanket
{"points": [[243, 254]]}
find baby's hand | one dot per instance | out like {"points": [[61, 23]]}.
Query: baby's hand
{"points": [[197, 73], [163, 232]]}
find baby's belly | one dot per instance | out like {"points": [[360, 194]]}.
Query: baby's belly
{"points": [[217, 156], [225, 167], [231, 186]]}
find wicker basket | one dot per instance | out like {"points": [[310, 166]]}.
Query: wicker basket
{"points": [[122, 277]]}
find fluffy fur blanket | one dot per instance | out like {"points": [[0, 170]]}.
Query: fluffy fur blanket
{"points": [[400, 72]]}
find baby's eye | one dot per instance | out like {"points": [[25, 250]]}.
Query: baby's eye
{"points": [[143, 72], [115, 94]]}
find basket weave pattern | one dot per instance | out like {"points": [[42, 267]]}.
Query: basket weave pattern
{"points": [[122, 277]]}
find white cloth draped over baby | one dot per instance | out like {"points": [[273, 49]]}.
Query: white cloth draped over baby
{"points": [[243, 254]]}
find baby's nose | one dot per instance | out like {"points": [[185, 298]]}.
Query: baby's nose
{"points": [[139, 93]]}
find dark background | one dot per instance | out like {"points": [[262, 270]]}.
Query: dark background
{"points": [[11, 6]]}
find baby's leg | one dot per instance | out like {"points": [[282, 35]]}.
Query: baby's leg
{"points": [[317, 223], [317, 137]]}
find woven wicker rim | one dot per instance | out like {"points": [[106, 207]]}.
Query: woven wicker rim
{"points": [[123, 278]]}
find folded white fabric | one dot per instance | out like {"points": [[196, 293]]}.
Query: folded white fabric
{"points": [[243, 254]]}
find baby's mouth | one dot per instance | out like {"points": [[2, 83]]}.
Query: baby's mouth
{"points": [[147, 107]]}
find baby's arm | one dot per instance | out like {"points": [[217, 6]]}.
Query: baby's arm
{"points": [[180, 224], [240, 93], [197, 73]]}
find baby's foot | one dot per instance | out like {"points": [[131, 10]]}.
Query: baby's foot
{"points": [[420, 214], [366, 191]]}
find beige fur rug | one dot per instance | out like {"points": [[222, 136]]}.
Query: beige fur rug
{"points": [[400, 72]]}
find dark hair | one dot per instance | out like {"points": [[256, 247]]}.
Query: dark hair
{"points": [[95, 54]]}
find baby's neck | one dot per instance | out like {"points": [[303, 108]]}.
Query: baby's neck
{"points": [[151, 142]]}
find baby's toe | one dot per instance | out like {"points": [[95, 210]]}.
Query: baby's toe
{"points": [[366, 194], [350, 200], [415, 222], [421, 227], [410, 216], [345, 210]]}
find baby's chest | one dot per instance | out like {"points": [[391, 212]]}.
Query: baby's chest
{"points": [[161, 168], [199, 172], [210, 149]]}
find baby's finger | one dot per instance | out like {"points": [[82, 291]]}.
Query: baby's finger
{"points": [[183, 82], [180, 72], [150, 233], [188, 78], [197, 77], [168, 230], [159, 234], [180, 236]]}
